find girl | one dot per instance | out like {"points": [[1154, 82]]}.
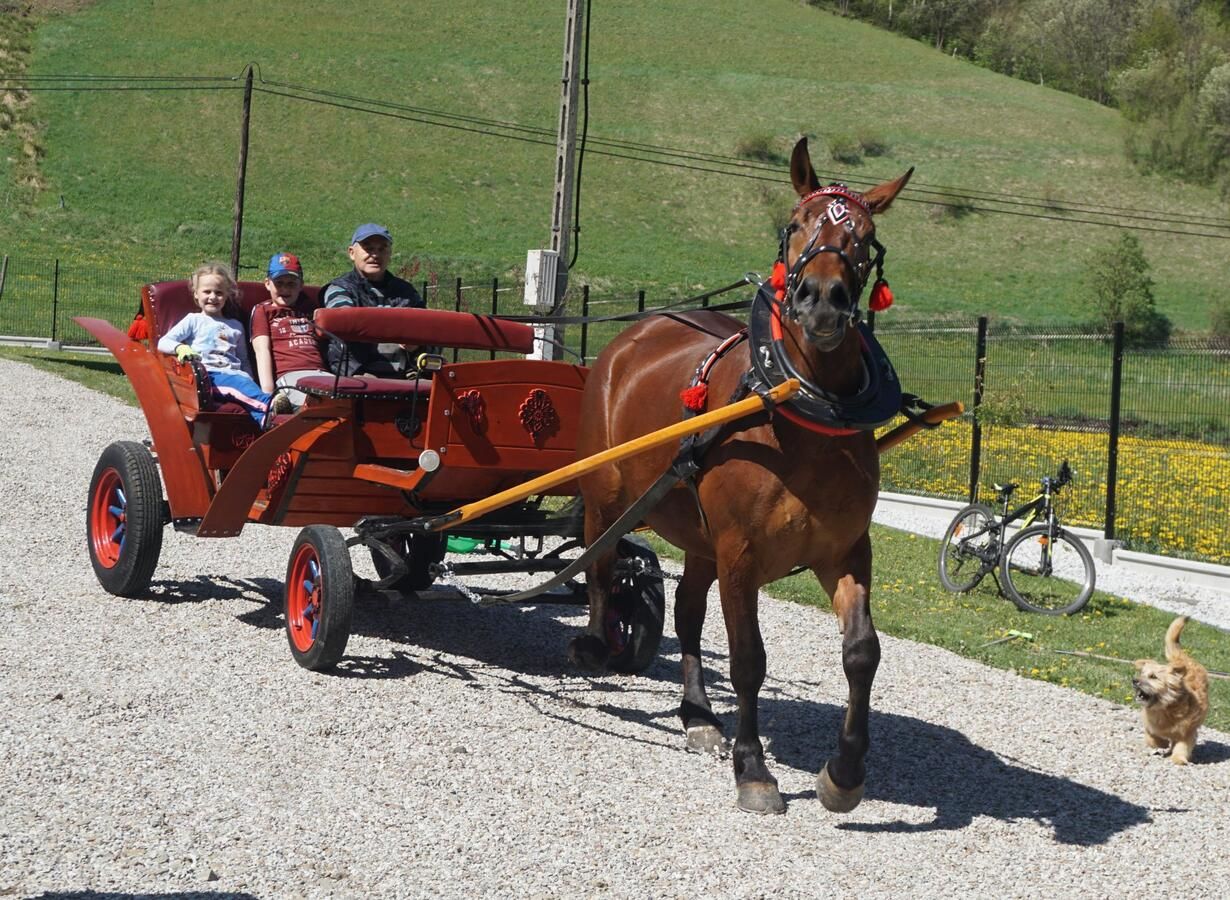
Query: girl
{"points": [[215, 336]]}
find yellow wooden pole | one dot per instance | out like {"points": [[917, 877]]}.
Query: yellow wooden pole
{"points": [[679, 430]]}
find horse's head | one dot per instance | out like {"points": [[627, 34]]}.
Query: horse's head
{"points": [[829, 248]]}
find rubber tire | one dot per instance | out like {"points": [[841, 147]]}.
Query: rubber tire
{"points": [[1084, 587], [125, 567], [948, 550], [643, 612], [419, 551], [329, 589]]}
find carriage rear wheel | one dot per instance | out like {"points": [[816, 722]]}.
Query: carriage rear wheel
{"points": [[124, 519], [319, 597], [420, 551], [636, 608]]}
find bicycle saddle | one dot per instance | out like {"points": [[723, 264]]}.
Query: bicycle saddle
{"points": [[1005, 490]]}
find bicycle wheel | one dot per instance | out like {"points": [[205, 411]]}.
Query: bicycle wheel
{"points": [[1048, 575], [965, 553]]}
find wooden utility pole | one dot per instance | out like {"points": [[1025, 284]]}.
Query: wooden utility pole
{"points": [[237, 231]]}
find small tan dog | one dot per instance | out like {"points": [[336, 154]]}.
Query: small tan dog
{"points": [[1175, 695]]}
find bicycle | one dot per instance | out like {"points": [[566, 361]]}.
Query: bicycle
{"points": [[1034, 565]]}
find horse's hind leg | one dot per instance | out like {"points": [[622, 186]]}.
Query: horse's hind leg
{"points": [[840, 783], [703, 730], [756, 788]]}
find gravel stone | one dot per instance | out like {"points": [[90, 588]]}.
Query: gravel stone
{"points": [[171, 745]]}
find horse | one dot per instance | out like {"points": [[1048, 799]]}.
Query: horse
{"points": [[773, 492]]}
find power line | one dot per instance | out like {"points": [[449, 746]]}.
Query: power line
{"points": [[636, 151]]}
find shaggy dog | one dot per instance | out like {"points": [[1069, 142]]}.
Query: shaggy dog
{"points": [[1175, 695]]}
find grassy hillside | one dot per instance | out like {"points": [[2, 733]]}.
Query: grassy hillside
{"points": [[147, 178]]}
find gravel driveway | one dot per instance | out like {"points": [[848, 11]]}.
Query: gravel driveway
{"points": [[171, 746]]}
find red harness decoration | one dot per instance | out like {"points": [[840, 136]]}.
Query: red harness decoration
{"points": [[696, 395]]}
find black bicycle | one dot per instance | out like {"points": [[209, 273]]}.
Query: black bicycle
{"points": [[1042, 568]]}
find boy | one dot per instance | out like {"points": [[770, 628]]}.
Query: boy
{"points": [[283, 339]]}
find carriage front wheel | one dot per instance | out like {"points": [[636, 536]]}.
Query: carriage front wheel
{"points": [[636, 608], [319, 597], [124, 519]]}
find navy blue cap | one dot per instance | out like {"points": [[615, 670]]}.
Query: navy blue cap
{"points": [[363, 232]]}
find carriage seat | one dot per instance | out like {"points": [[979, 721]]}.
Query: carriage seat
{"points": [[166, 302]]}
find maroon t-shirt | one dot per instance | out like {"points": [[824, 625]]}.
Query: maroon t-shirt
{"points": [[289, 329]]}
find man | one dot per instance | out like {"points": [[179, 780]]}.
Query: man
{"points": [[369, 284]]}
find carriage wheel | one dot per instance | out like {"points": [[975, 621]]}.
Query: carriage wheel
{"points": [[419, 551], [124, 519], [319, 597], [635, 610]]}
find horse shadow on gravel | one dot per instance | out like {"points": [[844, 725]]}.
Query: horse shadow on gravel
{"points": [[930, 766]]}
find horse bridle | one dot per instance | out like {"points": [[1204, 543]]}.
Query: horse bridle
{"points": [[838, 213]]}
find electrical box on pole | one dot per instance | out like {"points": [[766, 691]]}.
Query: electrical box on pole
{"points": [[548, 293]]}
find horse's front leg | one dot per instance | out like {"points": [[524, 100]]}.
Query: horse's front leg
{"points": [[840, 783], [756, 789]]}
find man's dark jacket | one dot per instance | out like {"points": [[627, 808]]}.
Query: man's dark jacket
{"points": [[352, 290]]}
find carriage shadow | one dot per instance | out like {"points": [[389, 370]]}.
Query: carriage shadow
{"points": [[918, 763]]}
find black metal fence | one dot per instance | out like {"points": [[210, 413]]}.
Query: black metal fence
{"points": [[1146, 429]]}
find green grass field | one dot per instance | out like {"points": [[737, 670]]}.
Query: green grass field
{"points": [[145, 179], [909, 602]]}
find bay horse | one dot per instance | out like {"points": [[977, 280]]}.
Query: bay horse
{"points": [[772, 493]]}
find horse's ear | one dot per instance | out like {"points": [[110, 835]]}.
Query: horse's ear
{"points": [[880, 197], [801, 172]]}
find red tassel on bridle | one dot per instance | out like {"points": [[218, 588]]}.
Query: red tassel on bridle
{"points": [[881, 297], [695, 397], [777, 280]]}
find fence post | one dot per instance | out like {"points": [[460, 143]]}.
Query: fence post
{"points": [[457, 308], [640, 301], [4, 271], [980, 374], [425, 303], [584, 325], [495, 301], [1112, 453], [55, 300]]}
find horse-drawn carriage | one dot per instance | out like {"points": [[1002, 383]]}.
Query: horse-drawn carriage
{"points": [[783, 475]]}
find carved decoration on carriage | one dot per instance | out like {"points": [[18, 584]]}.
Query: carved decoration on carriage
{"points": [[408, 426], [241, 440], [538, 415], [278, 472], [474, 406]]}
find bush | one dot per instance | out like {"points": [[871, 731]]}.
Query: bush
{"points": [[1219, 322], [1121, 290], [873, 144], [845, 149], [762, 148]]}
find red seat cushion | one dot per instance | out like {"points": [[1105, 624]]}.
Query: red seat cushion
{"points": [[426, 327]]}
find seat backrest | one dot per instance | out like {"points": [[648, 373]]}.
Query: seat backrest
{"points": [[166, 302]]}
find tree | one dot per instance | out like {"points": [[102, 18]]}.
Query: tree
{"points": [[1122, 291]]}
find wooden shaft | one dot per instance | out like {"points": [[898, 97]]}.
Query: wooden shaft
{"points": [[746, 407], [933, 416]]}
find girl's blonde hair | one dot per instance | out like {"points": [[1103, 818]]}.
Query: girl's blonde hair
{"points": [[231, 309]]}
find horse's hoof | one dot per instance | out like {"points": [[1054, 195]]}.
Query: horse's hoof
{"points": [[706, 739], [588, 652], [760, 797], [836, 799]]}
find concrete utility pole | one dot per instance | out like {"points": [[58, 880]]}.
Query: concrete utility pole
{"points": [[566, 142], [546, 271]]}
